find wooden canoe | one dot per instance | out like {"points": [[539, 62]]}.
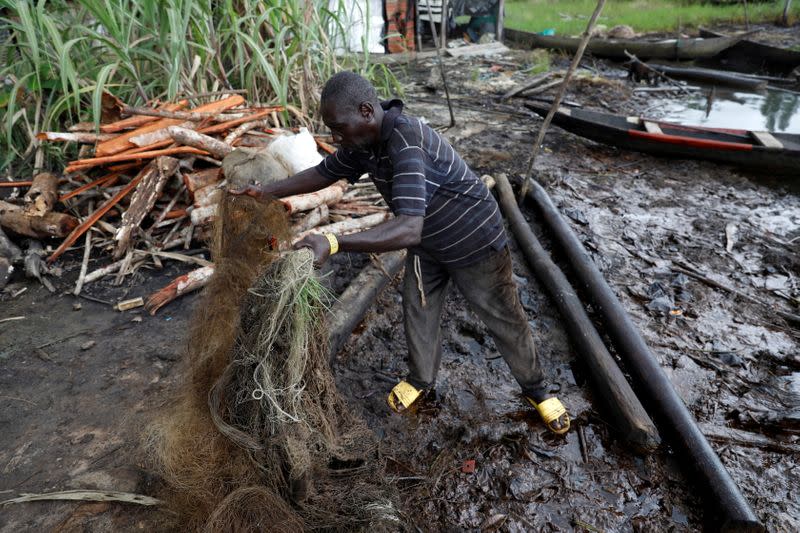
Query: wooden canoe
{"points": [[752, 56], [692, 48], [757, 150]]}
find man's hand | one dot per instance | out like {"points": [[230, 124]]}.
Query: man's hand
{"points": [[319, 245], [254, 191]]}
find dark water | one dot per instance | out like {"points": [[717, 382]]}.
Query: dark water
{"points": [[774, 111]]}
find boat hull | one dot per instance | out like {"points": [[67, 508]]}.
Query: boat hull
{"points": [[615, 49], [735, 147]]}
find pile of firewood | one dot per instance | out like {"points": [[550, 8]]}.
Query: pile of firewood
{"points": [[145, 188]]}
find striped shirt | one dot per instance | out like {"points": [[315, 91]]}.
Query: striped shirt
{"points": [[419, 174]]}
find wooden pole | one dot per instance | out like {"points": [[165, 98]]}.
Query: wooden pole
{"points": [[501, 13], [626, 412], [557, 101], [443, 41], [441, 64], [353, 304], [646, 370]]}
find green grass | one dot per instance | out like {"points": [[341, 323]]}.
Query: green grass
{"points": [[569, 17], [57, 57]]}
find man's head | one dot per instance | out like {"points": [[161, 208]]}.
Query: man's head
{"points": [[350, 108]]}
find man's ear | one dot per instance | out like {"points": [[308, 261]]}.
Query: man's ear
{"points": [[366, 110]]}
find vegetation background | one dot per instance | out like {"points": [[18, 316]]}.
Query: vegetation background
{"points": [[58, 57]]}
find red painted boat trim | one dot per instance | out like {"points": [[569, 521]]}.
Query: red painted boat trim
{"points": [[689, 141]]}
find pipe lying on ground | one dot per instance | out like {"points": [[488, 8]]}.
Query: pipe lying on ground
{"points": [[354, 302], [646, 370], [626, 411]]}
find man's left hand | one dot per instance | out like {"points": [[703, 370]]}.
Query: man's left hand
{"points": [[318, 244]]}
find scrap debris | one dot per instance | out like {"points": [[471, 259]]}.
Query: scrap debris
{"points": [[151, 182]]}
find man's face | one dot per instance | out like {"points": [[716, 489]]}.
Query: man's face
{"points": [[352, 128]]}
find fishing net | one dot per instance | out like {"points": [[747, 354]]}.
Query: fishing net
{"points": [[259, 438]]}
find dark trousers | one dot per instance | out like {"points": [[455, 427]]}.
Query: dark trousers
{"points": [[492, 295]]}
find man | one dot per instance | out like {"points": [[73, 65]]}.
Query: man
{"points": [[447, 219]]}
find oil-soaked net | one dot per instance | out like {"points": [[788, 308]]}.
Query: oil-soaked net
{"points": [[258, 437]]}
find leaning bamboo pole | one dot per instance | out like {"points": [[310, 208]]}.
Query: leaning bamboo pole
{"points": [[560, 95]]}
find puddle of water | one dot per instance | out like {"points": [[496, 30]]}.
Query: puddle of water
{"points": [[773, 111]]}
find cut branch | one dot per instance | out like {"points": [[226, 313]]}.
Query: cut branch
{"points": [[51, 224], [306, 202], [122, 142], [206, 143], [147, 192], [102, 210], [42, 196]]}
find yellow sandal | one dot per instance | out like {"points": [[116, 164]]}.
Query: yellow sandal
{"points": [[551, 410], [403, 395]]}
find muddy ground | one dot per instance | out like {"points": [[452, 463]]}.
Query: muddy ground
{"points": [[72, 412]]}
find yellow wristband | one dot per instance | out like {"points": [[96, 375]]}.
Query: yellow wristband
{"points": [[333, 241]]}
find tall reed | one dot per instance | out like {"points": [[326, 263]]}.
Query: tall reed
{"points": [[58, 57]]}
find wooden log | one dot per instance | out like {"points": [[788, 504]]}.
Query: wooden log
{"points": [[626, 411], [710, 76], [350, 225], [143, 200], [204, 142], [163, 134], [353, 304], [313, 219], [52, 224], [644, 367], [181, 285], [76, 137], [139, 120], [306, 202], [244, 128], [42, 196], [193, 116], [122, 142]]}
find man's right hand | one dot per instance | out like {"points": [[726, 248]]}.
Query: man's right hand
{"points": [[254, 191]]}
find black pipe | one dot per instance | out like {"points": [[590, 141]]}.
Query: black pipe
{"points": [[645, 367], [626, 411]]}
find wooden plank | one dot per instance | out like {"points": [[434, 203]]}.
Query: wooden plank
{"points": [[765, 138], [652, 127]]}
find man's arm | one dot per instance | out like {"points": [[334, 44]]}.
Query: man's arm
{"points": [[395, 234], [309, 180]]}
